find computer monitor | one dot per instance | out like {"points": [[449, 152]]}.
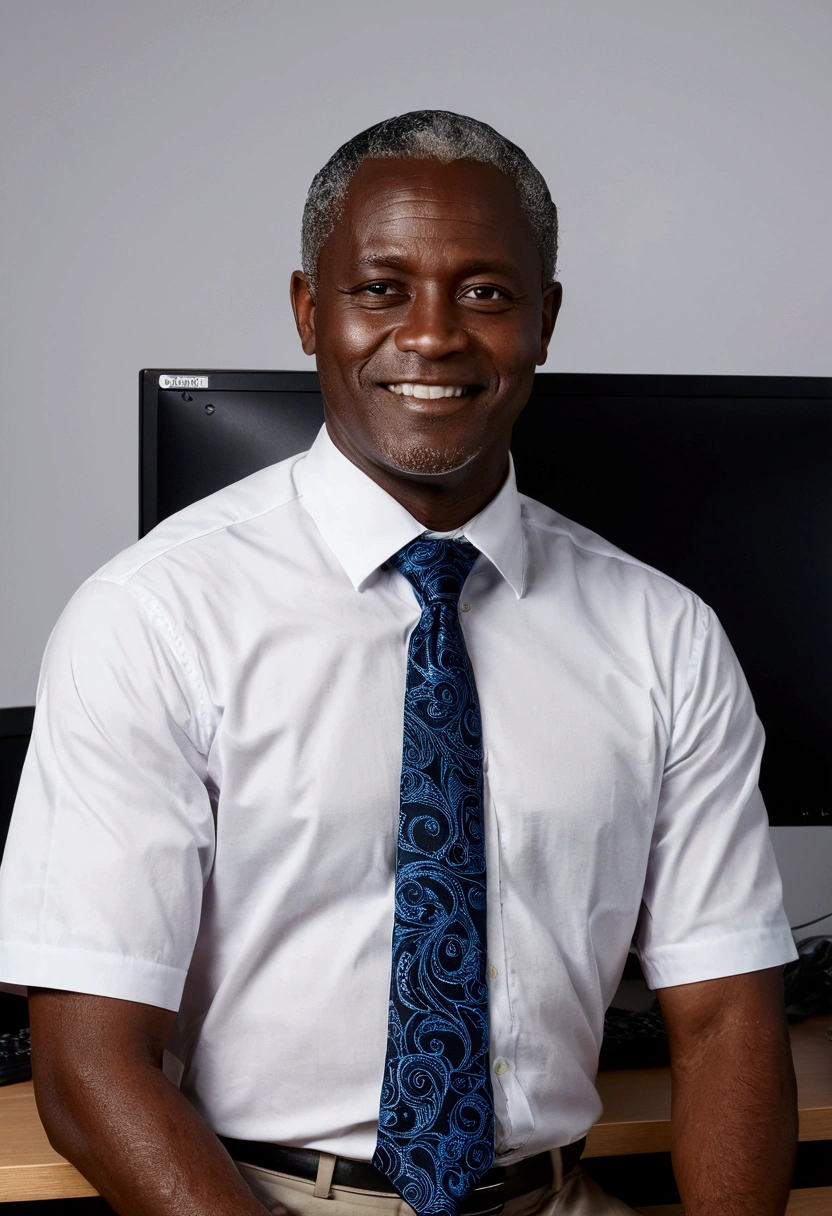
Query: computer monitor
{"points": [[724, 483], [15, 729]]}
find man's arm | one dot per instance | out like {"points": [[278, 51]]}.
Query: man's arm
{"points": [[734, 1097], [108, 1108]]}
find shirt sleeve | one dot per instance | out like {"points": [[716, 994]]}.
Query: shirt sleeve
{"points": [[712, 901], [112, 835]]}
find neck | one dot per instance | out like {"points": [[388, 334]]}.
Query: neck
{"points": [[441, 501]]}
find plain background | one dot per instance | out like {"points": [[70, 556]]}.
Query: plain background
{"points": [[155, 162]]}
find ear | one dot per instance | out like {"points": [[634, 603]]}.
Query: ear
{"points": [[303, 306], [552, 298]]}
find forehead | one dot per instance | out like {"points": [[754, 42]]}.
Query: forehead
{"points": [[424, 209]]}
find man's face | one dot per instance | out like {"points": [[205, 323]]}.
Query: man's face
{"points": [[430, 317]]}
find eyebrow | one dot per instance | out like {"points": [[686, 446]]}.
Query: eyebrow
{"points": [[397, 260]]}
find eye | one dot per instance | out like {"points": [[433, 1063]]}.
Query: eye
{"points": [[484, 292], [379, 289]]}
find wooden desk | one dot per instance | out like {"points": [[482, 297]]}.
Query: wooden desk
{"points": [[636, 1116], [636, 1119]]}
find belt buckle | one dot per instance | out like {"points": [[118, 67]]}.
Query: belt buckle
{"points": [[492, 1196]]}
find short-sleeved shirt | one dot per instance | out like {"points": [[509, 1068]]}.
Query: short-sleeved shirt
{"points": [[208, 812]]}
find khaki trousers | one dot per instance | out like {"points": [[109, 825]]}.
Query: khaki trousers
{"points": [[283, 1195]]}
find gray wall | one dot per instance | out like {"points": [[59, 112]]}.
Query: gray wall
{"points": [[156, 160]]}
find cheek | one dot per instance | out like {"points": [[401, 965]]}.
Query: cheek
{"points": [[512, 345], [348, 335]]}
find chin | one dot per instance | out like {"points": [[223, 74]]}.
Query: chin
{"points": [[427, 459]]}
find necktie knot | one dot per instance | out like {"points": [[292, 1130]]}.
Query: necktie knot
{"points": [[436, 568]]}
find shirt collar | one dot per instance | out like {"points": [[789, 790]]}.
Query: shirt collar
{"points": [[364, 526]]}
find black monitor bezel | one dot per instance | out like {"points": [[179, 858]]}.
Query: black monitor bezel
{"points": [[574, 384]]}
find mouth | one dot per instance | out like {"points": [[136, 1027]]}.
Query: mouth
{"points": [[429, 392]]}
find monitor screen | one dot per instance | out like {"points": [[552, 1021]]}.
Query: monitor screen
{"points": [[15, 731], [724, 483]]}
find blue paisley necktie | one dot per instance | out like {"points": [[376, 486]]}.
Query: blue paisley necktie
{"points": [[436, 1124]]}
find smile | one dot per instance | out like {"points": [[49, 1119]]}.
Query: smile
{"points": [[428, 392]]}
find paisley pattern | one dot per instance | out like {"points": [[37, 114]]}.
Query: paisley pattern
{"points": [[436, 1125]]}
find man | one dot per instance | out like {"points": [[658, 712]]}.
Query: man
{"points": [[226, 819]]}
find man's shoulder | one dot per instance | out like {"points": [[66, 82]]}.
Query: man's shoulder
{"points": [[597, 559], [195, 535]]}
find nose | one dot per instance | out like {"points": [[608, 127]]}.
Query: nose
{"points": [[432, 327]]}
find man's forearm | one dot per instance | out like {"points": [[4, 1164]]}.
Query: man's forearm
{"points": [[108, 1108], [734, 1110], [145, 1149]]}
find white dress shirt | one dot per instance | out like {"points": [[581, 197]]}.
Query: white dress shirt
{"points": [[207, 816]]}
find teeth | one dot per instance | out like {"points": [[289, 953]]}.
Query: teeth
{"points": [[426, 392]]}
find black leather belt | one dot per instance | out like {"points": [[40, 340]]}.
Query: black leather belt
{"points": [[494, 1190]]}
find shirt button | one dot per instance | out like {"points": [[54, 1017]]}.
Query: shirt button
{"points": [[492, 971], [500, 1067]]}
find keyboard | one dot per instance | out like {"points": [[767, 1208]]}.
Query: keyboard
{"points": [[634, 1039], [15, 1057]]}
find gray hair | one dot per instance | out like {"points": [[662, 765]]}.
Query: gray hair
{"points": [[427, 135]]}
